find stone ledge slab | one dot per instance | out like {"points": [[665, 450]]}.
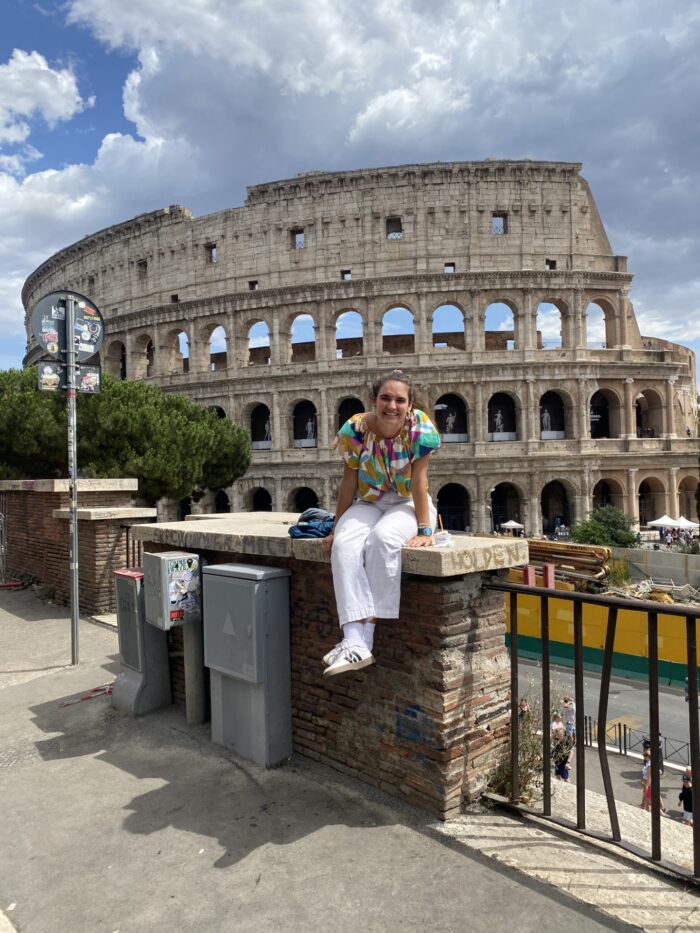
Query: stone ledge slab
{"points": [[266, 533], [107, 514], [63, 485]]}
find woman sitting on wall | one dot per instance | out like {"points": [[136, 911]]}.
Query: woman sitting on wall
{"points": [[383, 504]]}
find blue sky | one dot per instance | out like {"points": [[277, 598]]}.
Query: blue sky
{"points": [[109, 109]]}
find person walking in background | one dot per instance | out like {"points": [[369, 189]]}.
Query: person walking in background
{"points": [[570, 714], [686, 797]]}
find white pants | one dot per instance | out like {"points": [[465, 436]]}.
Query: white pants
{"points": [[366, 556]]}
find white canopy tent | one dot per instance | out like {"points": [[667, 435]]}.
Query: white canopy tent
{"points": [[664, 522], [684, 522], [511, 524]]}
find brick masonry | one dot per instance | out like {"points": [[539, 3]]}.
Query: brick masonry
{"points": [[38, 544], [429, 720]]}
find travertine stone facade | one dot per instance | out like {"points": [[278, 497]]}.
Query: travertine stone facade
{"points": [[532, 432]]}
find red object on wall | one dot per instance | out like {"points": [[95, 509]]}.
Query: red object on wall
{"points": [[548, 576], [529, 575]]}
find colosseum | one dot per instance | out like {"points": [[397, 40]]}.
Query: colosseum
{"points": [[493, 283]]}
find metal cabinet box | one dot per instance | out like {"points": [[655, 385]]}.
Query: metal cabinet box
{"points": [[143, 683], [246, 646], [173, 587]]}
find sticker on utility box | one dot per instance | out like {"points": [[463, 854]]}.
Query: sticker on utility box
{"points": [[184, 588]]}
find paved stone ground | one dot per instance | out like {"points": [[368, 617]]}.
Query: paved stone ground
{"points": [[116, 824]]}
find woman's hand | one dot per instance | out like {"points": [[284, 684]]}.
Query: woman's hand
{"points": [[328, 544], [420, 541]]}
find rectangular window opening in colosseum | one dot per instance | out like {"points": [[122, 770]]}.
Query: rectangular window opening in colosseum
{"points": [[346, 274], [550, 265], [499, 223], [449, 267], [174, 299], [142, 268], [253, 285], [394, 228], [211, 253], [297, 236]]}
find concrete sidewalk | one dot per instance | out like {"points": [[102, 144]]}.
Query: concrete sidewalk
{"points": [[118, 824]]}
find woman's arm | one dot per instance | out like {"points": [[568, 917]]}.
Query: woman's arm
{"points": [[419, 492], [346, 493]]}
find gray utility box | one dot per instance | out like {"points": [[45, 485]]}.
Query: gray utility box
{"points": [[246, 646], [143, 683], [173, 588]]}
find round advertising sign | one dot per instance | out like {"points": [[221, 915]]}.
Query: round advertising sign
{"points": [[49, 325]]}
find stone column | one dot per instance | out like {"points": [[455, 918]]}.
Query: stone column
{"points": [[423, 338], [275, 341], [672, 493], [622, 317], [581, 425], [479, 414], [371, 341], [483, 516], [630, 429], [631, 495], [528, 422], [277, 504], [322, 421], [585, 497], [578, 320], [668, 412], [478, 339], [279, 442], [528, 329], [535, 512]]}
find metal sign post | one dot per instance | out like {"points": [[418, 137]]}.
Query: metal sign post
{"points": [[69, 327], [71, 369]]}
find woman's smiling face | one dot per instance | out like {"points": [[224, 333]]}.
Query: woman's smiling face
{"points": [[391, 407]]}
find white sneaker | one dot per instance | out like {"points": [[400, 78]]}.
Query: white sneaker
{"points": [[350, 658], [330, 657]]}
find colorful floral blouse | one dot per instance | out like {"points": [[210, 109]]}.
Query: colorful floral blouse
{"points": [[384, 463]]}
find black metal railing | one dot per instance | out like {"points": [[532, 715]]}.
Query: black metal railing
{"points": [[685, 614], [624, 739]]}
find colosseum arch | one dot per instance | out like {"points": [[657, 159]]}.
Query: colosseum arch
{"points": [[302, 498], [556, 415], [601, 324], [398, 330], [551, 325], [452, 418], [303, 423], [687, 504], [302, 338], [214, 337], [222, 503], [143, 357], [503, 417], [500, 325], [651, 495], [349, 334], [258, 499], [348, 407], [115, 359], [454, 507], [605, 414], [506, 503], [649, 410], [217, 410], [260, 426], [176, 347], [608, 492], [556, 505], [447, 326], [256, 338]]}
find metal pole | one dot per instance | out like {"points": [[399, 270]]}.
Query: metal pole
{"points": [[72, 475]]}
